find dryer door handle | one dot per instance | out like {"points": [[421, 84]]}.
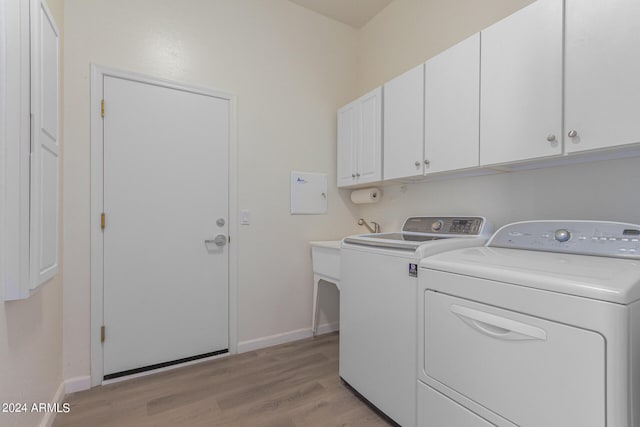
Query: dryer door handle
{"points": [[497, 326]]}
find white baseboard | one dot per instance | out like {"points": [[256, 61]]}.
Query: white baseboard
{"points": [[271, 340], [75, 384], [49, 417], [327, 328]]}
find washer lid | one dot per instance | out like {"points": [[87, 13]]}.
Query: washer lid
{"points": [[602, 278]]}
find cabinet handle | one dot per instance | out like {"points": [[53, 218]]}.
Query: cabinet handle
{"points": [[357, 174], [417, 163], [551, 137], [572, 134], [427, 162], [353, 175]]}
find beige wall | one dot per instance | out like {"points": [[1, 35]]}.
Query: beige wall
{"points": [[31, 335], [407, 33], [290, 69]]}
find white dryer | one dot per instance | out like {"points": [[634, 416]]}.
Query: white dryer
{"points": [[378, 283], [539, 328]]}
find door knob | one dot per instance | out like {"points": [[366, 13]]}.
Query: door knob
{"points": [[551, 137], [572, 134], [219, 240], [417, 163]]}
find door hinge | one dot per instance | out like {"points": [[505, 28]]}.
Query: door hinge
{"points": [[103, 221], [102, 108], [102, 333]]}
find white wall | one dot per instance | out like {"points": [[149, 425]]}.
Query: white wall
{"points": [[409, 32], [31, 336], [290, 68]]}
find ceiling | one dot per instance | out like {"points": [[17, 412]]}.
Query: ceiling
{"points": [[355, 13]]}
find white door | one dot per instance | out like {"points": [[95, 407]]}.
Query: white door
{"points": [[348, 135], [165, 194], [602, 67], [403, 128], [452, 108], [369, 157], [521, 85]]}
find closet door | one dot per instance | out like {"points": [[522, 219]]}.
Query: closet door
{"points": [[45, 156]]}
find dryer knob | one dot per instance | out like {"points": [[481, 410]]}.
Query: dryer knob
{"points": [[562, 235], [436, 226]]}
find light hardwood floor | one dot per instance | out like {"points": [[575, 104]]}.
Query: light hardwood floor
{"points": [[294, 384]]}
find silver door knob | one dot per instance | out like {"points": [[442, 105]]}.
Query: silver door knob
{"points": [[572, 134], [353, 175], [551, 137], [417, 163], [219, 240], [220, 222], [427, 162]]}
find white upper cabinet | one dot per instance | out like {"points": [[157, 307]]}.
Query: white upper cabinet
{"points": [[404, 125], [452, 103], [521, 85], [360, 140], [602, 85], [29, 147]]}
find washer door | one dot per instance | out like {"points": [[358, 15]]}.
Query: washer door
{"points": [[532, 372]]}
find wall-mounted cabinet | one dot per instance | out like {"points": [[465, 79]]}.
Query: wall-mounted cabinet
{"points": [[556, 82], [602, 69], [403, 118], [452, 103], [360, 140], [521, 85], [30, 147]]}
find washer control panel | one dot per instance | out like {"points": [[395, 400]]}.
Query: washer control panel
{"points": [[468, 226], [600, 238]]}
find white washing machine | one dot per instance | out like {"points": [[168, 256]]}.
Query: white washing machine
{"points": [[539, 328], [378, 283]]}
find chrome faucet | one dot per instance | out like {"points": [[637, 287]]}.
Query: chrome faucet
{"points": [[374, 229]]}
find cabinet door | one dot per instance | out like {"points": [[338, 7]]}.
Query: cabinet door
{"points": [[369, 157], [404, 125], [45, 158], [521, 85], [452, 104], [348, 124], [602, 81]]}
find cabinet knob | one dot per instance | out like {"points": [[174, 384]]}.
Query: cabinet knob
{"points": [[417, 163], [357, 174], [572, 134], [551, 137], [353, 175], [427, 162]]}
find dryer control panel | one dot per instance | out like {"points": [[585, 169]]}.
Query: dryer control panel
{"points": [[599, 238]]}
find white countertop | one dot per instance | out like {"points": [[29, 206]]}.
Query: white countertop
{"points": [[331, 244]]}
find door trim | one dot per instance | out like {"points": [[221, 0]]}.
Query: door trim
{"points": [[98, 73]]}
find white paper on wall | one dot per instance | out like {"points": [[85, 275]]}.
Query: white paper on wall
{"points": [[308, 193]]}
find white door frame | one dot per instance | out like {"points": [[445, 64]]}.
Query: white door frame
{"points": [[98, 73]]}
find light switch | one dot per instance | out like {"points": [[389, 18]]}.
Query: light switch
{"points": [[245, 217]]}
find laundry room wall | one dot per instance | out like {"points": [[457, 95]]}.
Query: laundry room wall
{"points": [[290, 69], [31, 332], [409, 32]]}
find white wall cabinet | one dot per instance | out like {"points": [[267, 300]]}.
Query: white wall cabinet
{"points": [[403, 118], [521, 85], [602, 84], [29, 144], [452, 103], [360, 140]]}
